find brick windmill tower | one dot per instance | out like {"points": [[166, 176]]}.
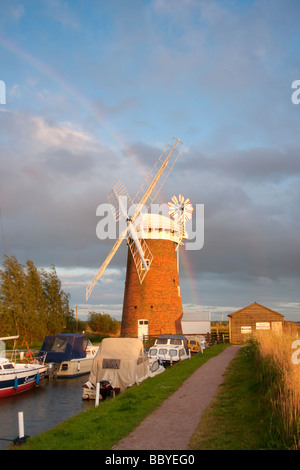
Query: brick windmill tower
{"points": [[152, 304]]}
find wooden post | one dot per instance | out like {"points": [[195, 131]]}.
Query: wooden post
{"points": [[21, 424], [97, 394]]}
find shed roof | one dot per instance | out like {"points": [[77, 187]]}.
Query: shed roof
{"points": [[252, 306]]}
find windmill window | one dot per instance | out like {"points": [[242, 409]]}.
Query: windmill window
{"points": [[147, 261]]}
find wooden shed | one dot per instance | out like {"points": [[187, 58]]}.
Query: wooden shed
{"points": [[250, 319]]}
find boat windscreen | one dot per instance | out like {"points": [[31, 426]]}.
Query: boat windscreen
{"points": [[59, 345]]}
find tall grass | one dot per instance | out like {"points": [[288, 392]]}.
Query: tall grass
{"points": [[278, 370]]}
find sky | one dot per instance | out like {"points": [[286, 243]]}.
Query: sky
{"points": [[94, 92]]}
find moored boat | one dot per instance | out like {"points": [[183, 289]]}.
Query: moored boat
{"points": [[17, 378], [68, 355], [119, 364]]}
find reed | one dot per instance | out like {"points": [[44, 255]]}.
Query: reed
{"points": [[279, 369]]}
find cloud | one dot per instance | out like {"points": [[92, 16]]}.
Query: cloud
{"points": [[260, 164], [251, 198], [54, 180]]}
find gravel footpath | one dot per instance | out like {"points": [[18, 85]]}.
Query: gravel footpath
{"points": [[171, 426]]}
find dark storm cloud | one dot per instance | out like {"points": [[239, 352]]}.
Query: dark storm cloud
{"points": [[52, 180], [251, 200]]}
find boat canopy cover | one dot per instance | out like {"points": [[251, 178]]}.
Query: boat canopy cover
{"points": [[64, 347], [121, 361]]}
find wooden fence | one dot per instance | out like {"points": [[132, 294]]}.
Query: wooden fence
{"points": [[213, 338]]}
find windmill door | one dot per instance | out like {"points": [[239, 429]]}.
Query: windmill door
{"points": [[143, 328]]}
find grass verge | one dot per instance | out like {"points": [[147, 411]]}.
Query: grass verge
{"points": [[240, 416], [102, 427]]}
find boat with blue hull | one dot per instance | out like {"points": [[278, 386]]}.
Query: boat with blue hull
{"points": [[17, 378]]}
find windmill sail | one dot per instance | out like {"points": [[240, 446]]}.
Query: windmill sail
{"points": [[142, 264], [105, 264], [145, 196], [153, 183], [114, 197]]}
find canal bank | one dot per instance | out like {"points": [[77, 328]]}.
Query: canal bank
{"points": [[44, 407]]}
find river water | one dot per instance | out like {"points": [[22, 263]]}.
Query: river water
{"points": [[44, 407]]}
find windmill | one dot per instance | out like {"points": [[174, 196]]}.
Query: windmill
{"points": [[121, 201]]}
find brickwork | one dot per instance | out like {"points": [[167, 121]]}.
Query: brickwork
{"points": [[156, 299], [251, 318]]}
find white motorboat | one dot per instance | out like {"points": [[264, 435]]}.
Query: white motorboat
{"points": [[17, 377]]}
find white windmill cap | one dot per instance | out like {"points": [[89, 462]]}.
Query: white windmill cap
{"points": [[157, 226]]}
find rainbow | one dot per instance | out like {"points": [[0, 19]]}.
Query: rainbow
{"points": [[79, 97], [186, 265]]}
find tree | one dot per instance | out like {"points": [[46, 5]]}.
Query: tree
{"points": [[103, 323], [32, 302], [35, 305], [57, 302], [12, 297]]}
